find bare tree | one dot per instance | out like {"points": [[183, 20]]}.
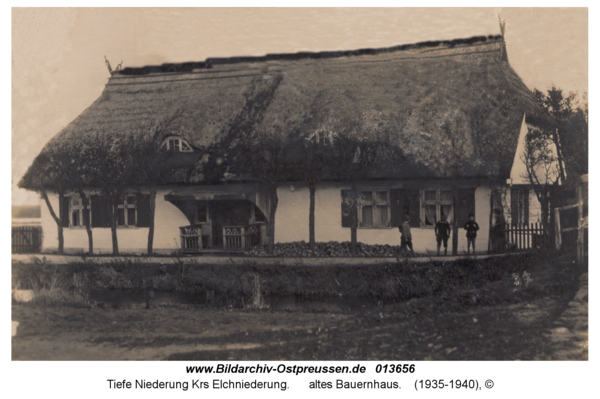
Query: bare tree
{"points": [[542, 167], [51, 164], [152, 164], [112, 168], [307, 163], [349, 160], [249, 151], [564, 120], [77, 173], [556, 150], [261, 157]]}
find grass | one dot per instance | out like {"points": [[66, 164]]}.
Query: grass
{"points": [[474, 311], [241, 285]]}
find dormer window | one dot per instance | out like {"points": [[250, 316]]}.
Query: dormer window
{"points": [[177, 144]]}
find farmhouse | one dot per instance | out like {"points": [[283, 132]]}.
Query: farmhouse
{"points": [[455, 111]]}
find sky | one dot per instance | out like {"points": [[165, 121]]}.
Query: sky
{"points": [[58, 67]]}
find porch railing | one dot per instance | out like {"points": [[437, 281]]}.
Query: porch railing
{"points": [[191, 238], [241, 237]]}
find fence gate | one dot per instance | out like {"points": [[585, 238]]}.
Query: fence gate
{"points": [[26, 239]]}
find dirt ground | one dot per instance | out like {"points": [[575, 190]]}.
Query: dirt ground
{"points": [[521, 317]]}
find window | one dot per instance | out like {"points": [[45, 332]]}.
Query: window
{"points": [[78, 213], [177, 144], [374, 209], [519, 198], [498, 200], [202, 212], [435, 204], [132, 211], [127, 211]]}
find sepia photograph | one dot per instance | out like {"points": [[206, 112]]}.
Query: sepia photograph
{"points": [[294, 184]]}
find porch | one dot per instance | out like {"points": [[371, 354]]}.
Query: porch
{"points": [[222, 218]]}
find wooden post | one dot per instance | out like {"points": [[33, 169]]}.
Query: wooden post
{"points": [[243, 231], [522, 237], [557, 233], [580, 226], [490, 237], [514, 239]]}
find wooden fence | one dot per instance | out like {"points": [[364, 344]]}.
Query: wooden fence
{"points": [[26, 239], [571, 223], [527, 236]]}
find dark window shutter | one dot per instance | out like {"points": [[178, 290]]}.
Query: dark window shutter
{"points": [[143, 210], [526, 205], [412, 206], [396, 202], [405, 202], [97, 211], [63, 204], [100, 211], [346, 208], [86, 212], [466, 205], [109, 208], [514, 206]]}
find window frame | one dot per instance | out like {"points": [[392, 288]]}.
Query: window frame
{"points": [[520, 200], [125, 206], [79, 208], [207, 220], [179, 147], [374, 203], [522, 211], [438, 202]]}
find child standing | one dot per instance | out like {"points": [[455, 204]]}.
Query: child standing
{"points": [[471, 226], [406, 237], [442, 232]]}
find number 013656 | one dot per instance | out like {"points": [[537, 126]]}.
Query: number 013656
{"points": [[395, 368]]}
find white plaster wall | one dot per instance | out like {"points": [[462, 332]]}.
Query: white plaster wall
{"points": [[291, 225], [518, 172], [49, 228], [168, 219], [482, 217], [293, 210], [535, 209]]}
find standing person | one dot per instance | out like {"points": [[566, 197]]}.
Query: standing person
{"points": [[499, 242], [442, 233], [406, 236], [471, 226]]}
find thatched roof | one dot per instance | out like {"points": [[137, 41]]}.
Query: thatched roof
{"points": [[454, 108]]}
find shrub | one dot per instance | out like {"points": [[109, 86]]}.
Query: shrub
{"points": [[71, 284]]}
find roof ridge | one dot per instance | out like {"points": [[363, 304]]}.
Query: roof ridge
{"points": [[209, 62]]}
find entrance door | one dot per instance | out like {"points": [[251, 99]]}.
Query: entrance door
{"points": [[227, 213]]}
